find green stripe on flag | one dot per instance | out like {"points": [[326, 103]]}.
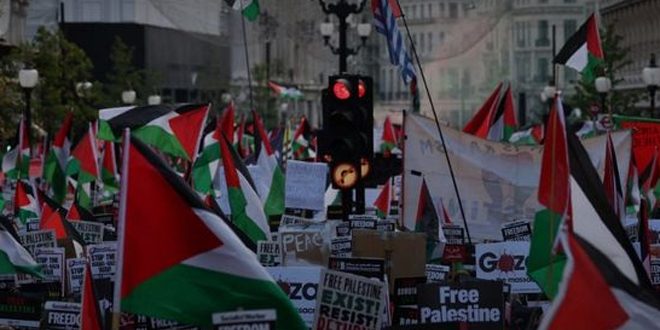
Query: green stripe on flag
{"points": [[275, 201], [161, 140], [194, 294], [543, 265], [251, 12], [589, 73], [7, 267], [238, 206]]}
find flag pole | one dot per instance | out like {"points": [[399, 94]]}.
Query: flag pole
{"points": [[247, 61], [437, 122], [121, 226]]}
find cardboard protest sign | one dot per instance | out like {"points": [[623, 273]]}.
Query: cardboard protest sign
{"points": [[395, 249], [405, 290], [91, 232], [366, 267], [305, 245], [386, 225], [102, 259], [333, 310], [75, 270], [269, 253], [480, 304], [341, 247], [455, 234], [498, 181], [301, 286], [655, 271], [20, 310], [517, 231], [305, 185], [436, 273], [263, 319], [505, 261], [40, 238], [51, 261], [60, 315]]}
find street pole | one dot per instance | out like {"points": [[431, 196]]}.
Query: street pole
{"points": [[28, 113], [342, 9]]}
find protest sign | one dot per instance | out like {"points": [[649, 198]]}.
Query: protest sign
{"points": [[631, 226], [32, 224], [455, 234], [363, 217], [40, 238], [290, 220], [516, 231], [51, 261], [395, 249], [405, 290], [263, 319], [480, 304], [335, 289], [91, 232], [343, 229], [269, 253], [305, 185], [301, 286], [305, 245], [405, 315], [60, 315], [362, 224], [75, 268], [367, 267], [386, 225], [498, 181], [505, 261], [7, 282], [436, 273], [341, 247], [102, 259], [655, 271], [20, 310]]}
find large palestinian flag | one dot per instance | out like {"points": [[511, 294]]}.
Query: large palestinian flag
{"points": [[583, 50], [192, 264], [14, 258], [271, 187], [25, 203], [57, 158], [84, 158]]}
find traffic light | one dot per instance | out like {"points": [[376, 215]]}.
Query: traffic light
{"points": [[346, 140]]}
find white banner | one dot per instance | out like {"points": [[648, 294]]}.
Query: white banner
{"points": [[497, 181], [300, 284], [505, 261]]}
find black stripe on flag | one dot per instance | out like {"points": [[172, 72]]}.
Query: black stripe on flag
{"points": [[572, 45], [584, 173], [184, 189]]}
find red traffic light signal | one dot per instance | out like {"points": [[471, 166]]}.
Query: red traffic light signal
{"points": [[362, 90], [341, 89]]}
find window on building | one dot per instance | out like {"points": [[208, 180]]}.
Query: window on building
{"points": [[569, 1], [429, 36], [413, 12], [441, 37], [422, 43], [453, 10], [430, 10], [520, 34], [542, 66], [543, 1], [543, 34], [570, 26], [441, 9]]}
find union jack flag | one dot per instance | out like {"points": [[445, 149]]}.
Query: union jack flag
{"points": [[385, 24]]}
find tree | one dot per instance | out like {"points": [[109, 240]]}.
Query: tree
{"points": [[264, 101], [124, 75], [616, 58], [62, 65]]}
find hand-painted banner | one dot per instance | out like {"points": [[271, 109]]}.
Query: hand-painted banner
{"points": [[498, 182]]}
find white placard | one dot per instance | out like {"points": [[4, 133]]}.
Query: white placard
{"points": [[506, 261], [305, 185]]}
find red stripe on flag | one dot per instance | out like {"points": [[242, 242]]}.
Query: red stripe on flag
{"points": [[593, 38], [187, 128], [554, 182]]}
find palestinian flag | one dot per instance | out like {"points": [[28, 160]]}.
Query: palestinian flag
{"points": [[271, 187], [16, 162], [388, 139], [247, 211], [504, 123], [594, 294], [249, 8], [207, 162], [109, 174], [239, 138], [384, 199], [427, 221], [90, 313], [79, 213], [612, 182], [62, 228], [480, 123], [290, 93], [84, 158], [300, 146], [633, 194], [83, 195], [14, 258], [543, 266], [25, 204], [646, 179], [446, 220], [531, 136], [57, 158], [177, 132], [211, 268], [583, 51], [105, 130]]}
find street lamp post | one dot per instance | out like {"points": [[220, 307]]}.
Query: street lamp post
{"points": [[651, 77], [342, 9], [603, 87], [28, 79]]}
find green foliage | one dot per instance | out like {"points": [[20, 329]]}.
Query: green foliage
{"points": [[264, 102], [124, 75], [61, 65], [616, 58]]}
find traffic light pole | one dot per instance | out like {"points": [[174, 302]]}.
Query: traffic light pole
{"points": [[342, 9]]}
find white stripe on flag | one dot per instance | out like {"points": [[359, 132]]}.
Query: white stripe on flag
{"points": [[579, 59]]}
